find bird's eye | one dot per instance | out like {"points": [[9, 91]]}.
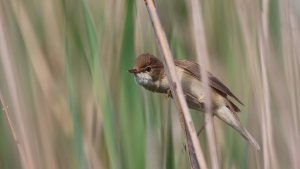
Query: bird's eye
{"points": [[148, 69]]}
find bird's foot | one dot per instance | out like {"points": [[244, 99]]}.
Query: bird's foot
{"points": [[201, 129], [169, 93]]}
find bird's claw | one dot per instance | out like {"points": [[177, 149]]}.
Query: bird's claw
{"points": [[169, 93]]}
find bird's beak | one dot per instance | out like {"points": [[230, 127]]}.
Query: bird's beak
{"points": [[132, 71]]}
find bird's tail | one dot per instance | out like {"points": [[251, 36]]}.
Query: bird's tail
{"points": [[231, 119]]}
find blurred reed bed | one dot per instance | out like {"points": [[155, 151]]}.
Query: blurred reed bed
{"points": [[64, 79]]}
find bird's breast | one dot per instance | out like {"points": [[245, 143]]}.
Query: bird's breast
{"points": [[163, 85], [160, 86]]}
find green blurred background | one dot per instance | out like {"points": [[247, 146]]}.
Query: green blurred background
{"points": [[73, 104]]}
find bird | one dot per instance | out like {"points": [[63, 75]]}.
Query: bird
{"points": [[149, 72]]}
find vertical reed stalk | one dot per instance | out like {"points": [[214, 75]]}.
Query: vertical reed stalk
{"points": [[193, 147], [202, 56], [269, 153], [26, 154], [12, 130]]}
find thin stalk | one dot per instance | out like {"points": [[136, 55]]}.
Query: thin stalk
{"points": [[12, 128], [193, 147], [202, 56], [268, 142], [26, 154]]}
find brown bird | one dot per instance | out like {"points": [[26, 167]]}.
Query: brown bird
{"points": [[149, 72]]}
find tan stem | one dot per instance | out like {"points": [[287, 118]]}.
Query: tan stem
{"points": [[193, 147]]}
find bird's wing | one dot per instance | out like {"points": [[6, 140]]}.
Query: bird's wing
{"points": [[194, 69]]}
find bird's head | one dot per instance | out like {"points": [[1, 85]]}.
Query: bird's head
{"points": [[147, 69]]}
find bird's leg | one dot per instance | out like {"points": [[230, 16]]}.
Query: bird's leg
{"points": [[169, 93], [201, 129]]}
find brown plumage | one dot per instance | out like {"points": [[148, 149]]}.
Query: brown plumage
{"points": [[194, 69], [149, 72]]}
